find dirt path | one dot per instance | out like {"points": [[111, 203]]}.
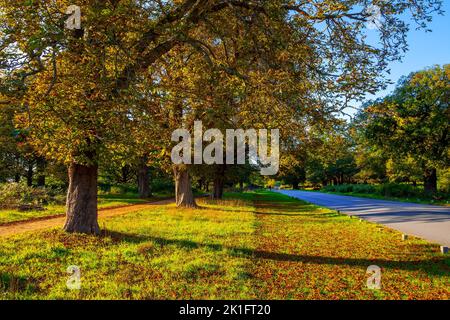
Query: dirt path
{"points": [[35, 225]]}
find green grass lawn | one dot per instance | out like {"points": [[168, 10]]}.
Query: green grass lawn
{"points": [[104, 201], [248, 246]]}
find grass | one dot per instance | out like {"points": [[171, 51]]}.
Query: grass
{"points": [[247, 246], [104, 201], [307, 252]]}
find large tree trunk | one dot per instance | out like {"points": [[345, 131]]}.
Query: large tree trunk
{"points": [[335, 181], [430, 180], [219, 181], [41, 171], [295, 184], [30, 174], [200, 184], [125, 171], [184, 197], [144, 179], [17, 165], [82, 200], [218, 188]]}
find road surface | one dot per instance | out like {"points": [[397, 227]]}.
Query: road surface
{"points": [[424, 221]]}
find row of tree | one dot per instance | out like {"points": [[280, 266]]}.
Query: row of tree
{"points": [[114, 91], [403, 137]]}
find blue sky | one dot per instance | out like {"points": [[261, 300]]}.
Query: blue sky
{"points": [[425, 49]]}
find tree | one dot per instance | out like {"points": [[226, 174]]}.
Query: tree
{"points": [[293, 162], [10, 155], [413, 122], [331, 157], [403, 169], [73, 83]]}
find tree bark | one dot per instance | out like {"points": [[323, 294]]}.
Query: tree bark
{"points": [[218, 188], [41, 170], [430, 180], [81, 216], [200, 184], [125, 171], [219, 181], [335, 181], [30, 174], [144, 179], [184, 197], [17, 174]]}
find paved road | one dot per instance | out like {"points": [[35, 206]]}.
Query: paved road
{"points": [[425, 221]]}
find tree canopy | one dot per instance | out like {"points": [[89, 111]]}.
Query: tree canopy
{"points": [[265, 63]]}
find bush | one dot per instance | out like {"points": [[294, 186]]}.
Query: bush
{"points": [[444, 180], [329, 189], [59, 199], [364, 188], [387, 190], [119, 189], [344, 188], [116, 190], [399, 190], [160, 185], [17, 196]]}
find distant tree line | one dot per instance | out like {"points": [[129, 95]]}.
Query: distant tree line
{"points": [[402, 138]]}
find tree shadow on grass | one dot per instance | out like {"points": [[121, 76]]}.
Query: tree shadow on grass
{"points": [[273, 210], [434, 266], [16, 283], [298, 215]]}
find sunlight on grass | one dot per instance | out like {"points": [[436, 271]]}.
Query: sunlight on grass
{"points": [[104, 201], [153, 254], [320, 254], [247, 246]]}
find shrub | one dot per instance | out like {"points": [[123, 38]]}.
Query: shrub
{"points": [[444, 180], [16, 196], [329, 188], [59, 199], [158, 185], [387, 190], [399, 190], [344, 188], [116, 190], [364, 188], [121, 189]]}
